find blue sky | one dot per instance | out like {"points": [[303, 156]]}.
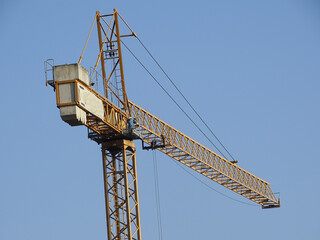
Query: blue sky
{"points": [[251, 69]]}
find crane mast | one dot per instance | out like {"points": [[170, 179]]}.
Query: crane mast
{"points": [[121, 189], [114, 122], [118, 153]]}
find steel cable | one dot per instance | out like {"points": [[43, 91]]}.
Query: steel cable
{"points": [[157, 192], [207, 185], [178, 91], [187, 101], [193, 122]]}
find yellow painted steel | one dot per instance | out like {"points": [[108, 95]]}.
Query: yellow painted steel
{"points": [[114, 51], [94, 20], [124, 92], [101, 58], [114, 118], [121, 190], [118, 151], [203, 160]]}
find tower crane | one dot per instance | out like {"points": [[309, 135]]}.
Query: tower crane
{"points": [[114, 122]]}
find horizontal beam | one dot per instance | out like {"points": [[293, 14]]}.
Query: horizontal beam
{"points": [[180, 147]]}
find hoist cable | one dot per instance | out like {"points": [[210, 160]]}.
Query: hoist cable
{"points": [[187, 101], [157, 192], [153, 77]]}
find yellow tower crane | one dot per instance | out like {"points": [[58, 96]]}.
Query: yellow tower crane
{"points": [[114, 122]]}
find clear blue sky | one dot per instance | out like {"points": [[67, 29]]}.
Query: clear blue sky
{"points": [[251, 69]]}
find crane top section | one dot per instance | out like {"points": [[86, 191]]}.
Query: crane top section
{"points": [[110, 57], [109, 115]]}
